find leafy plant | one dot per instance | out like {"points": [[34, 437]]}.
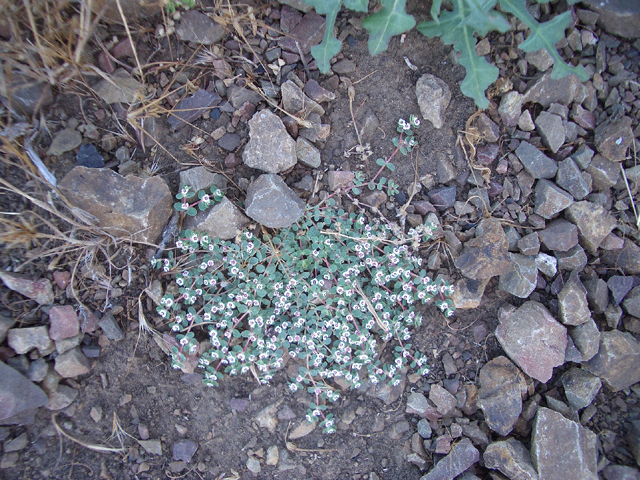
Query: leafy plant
{"points": [[172, 5], [457, 27], [329, 293]]}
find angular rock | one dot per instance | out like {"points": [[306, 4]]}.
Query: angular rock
{"points": [[618, 17], [586, 338], [443, 197], [64, 322], [88, 156], [500, 396], [613, 137], [229, 142], [110, 327], [192, 108], [199, 178], [580, 387], [551, 129], [597, 294], [559, 235], [593, 223], [318, 93], [573, 307], [272, 203], [468, 293], [510, 108], [487, 128], [536, 162], [604, 173], [533, 339], [417, 404], [184, 450], [5, 324], [307, 153], [270, 147], [541, 59], [306, 34], [122, 205], [61, 397], [548, 90], [522, 278], [620, 286], [486, 255], [617, 360], [239, 96], [573, 259], [561, 448], [583, 117], [72, 363], [631, 304], [152, 447], [39, 290], [550, 199], [122, 88], [433, 98], [511, 458], [571, 179], [547, 264], [462, 456], [626, 259], [19, 398], [337, 179], [23, 340], [64, 141], [530, 244], [296, 102], [223, 221], [443, 400], [620, 472], [199, 28]]}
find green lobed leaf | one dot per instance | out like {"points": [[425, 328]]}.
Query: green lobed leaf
{"points": [[391, 20], [330, 46], [545, 35], [357, 5]]}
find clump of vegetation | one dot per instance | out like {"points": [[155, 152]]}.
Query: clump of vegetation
{"points": [[458, 27]]}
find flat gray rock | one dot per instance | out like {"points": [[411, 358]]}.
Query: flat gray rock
{"points": [[434, 96], [199, 28], [121, 88], [192, 108], [462, 456], [64, 141], [20, 398], [511, 458], [550, 199], [551, 129], [613, 137], [272, 203], [580, 387], [224, 221], [573, 307], [536, 162], [572, 179], [593, 222], [270, 147], [617, 360], [522, 278]]}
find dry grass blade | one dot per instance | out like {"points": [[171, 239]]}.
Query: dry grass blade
{"points": [[633, 203], [96, 447]]}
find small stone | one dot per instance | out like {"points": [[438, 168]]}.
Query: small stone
{"points": [[631, 304], [583, 117], [580, 387], [619, 286], [541, 59], [23, 340], [344, 66], [530, 244], [272, 203], [551, 129], [253, 465], [536, 162], [444, 401], [510, 108], [303, 429], [199, 28], [522, 278], [424, 429], [152, 447], [72, 363], [462, 456], [593, 223], [487, 128], [229, 142], [613, 137], [96, 414], [184, 450], [586, 338], [38, 369], [193, 107], [20, 397], [604, 173], [468, 293], [571, 179], [417, 404], [433, 98], [547, 264], [307, 33], [61, 397], [486, 255], [443, 198], [270, 147], [550, 199], [572, 302], [573, 259], [597, 294], [17, 444], [273, 455], [110, 327], [617, 360], [559, 235], [307, 153], [64, 141], [120, 88], [39, 290], [64, 322], [338, 179], [525, 122], [511, 458], [626, 259], [548, 90]]}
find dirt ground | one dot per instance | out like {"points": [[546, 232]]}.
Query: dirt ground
{"points": [[131, 382]]}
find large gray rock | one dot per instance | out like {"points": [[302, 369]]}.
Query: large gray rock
{"points": [[433, 98], [462, 456], [272, 203], [134, 206], [199, 28], [562, 449], [619, 17], [593, 223], [571, 179], [511, 458], [522, 278], [486, 255], [559, 235], [536, 162], [580, 387], [533, 339], [626, 259], [223, 221], [270, 147], [617, 360], [550, 199], [548, 90], [586, 338], [19, 398], [500, 396], [613, 137]]}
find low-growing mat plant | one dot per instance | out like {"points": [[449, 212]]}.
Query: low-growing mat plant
{"points": [[458, 27]]}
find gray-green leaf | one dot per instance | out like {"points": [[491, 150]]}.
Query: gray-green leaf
{"points": [[391, 20]]}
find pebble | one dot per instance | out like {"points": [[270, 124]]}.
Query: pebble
{"points": [[184, 450]]}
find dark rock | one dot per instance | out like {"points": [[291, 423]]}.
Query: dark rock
{"points": [[522, 278], [618, 17], [27, 95], [462, 456], [39, 290], [20, 397], [561, 448], [511, 458], [110, 327], [443, 198], [620, 472], [184, 450], [571, 179], [613, 137], [192, 108], [468, 293], [617, 360], [486, 154], [445, 402], [593, 223], [239, 96], [306, 34], [318, 93], [530, 244], [270, 147], [533, 339], [583, 156], [604, 173], [223, 221], [597, 294], [573, 259], [434, 96], [631, 304], [626, 259], [500, 396], [199, 28], [229, 142], [619, 287], [375, 198], [550, 199], [272, 203], [551, 129], [121, 205], [296, 102], [487, 128], [485, 256], [580, 387], [88, 156], [344, 66], [548, 90], [536, 162], [559, 235]]}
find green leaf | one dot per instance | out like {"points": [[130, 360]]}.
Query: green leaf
{"points": [[357, 5], [391, 166], [330, 45], [435, 9], [545, 35], [192, 212], [380, 161], [391, 20], [356, 191]]}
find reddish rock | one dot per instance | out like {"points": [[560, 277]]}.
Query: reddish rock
{"points": [[38, 290], [64, 322]]}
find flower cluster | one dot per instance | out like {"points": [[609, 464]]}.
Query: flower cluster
{"points": [[406, 141], [204, 201], [330, 293]]}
